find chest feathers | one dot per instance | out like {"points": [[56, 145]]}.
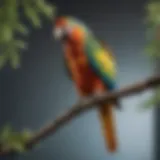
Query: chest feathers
{"points": [[78, 64]]}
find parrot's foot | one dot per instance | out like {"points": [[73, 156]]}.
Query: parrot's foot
{"points": [[118, 104]]}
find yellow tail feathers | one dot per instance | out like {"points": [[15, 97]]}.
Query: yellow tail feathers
{"points": [[108, 127]]}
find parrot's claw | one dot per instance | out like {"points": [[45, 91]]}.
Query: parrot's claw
{"points": [[118, 105], [116, 102]]}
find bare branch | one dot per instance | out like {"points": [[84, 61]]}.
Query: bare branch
{"points": [[85, 105]]}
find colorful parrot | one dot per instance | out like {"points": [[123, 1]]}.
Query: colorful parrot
{"points": [[92, 68]]}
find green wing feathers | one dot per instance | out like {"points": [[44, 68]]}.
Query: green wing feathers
{"points": [[101, 61]]}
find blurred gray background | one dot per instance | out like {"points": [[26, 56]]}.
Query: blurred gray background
{"points": [[40, 90]]}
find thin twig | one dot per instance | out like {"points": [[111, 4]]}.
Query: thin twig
{"points": [[85, 105]]}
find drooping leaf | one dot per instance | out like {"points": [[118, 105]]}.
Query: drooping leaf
{"points": [[18, 146], [10, 139], [22, 28], [26, 134], [33, 16], [6, 33], [46, 9], [153, 12], [12, 27], [20, 44], [153, 101]]}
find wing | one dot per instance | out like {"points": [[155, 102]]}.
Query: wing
{"points": [[102, 62], [108, 50]]}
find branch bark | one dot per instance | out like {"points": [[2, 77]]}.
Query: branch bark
{"points": [[87, 104]]}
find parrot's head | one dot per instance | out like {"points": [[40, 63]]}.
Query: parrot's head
{"points": [[70, 28]]}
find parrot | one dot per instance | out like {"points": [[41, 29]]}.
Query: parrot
{"points": [[91, 66]]}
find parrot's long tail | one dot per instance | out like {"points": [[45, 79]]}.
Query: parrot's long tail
{"points": [[108, 126]]}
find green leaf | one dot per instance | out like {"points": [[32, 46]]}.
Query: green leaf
{"points": [[9, 139], [5, 133], [150, 49], [11, 10], [12, 26], [153, 48], [18, 146], [153, 101], [20, 44], [46, 9], [22, 28], [6, 33], [154, 12], [33, 16], [26, 134]]}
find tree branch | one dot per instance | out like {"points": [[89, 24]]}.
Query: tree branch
{"points": [[86, 104]]}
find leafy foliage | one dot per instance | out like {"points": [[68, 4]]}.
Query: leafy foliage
{"points": [[10, 139], [12, 27], [153, 101], [153, 28], [153, 46]]}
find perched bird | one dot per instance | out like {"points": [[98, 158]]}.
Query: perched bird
{"points": [[92, 68]]}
